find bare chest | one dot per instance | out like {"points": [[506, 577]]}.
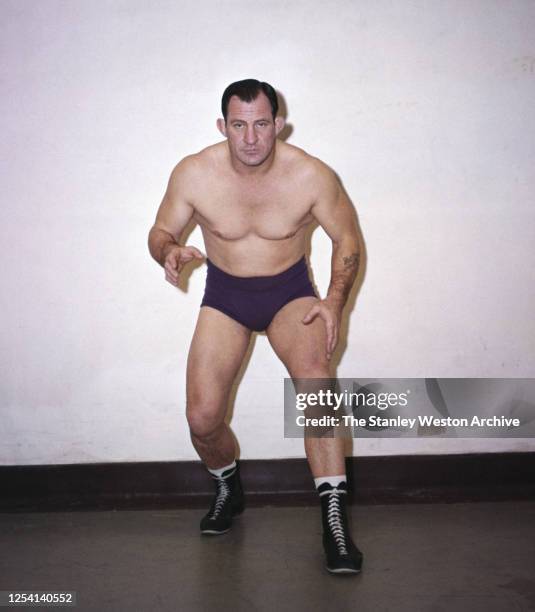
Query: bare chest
{"points": [[233, 212]]}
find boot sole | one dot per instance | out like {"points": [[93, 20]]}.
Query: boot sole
{"points": [[213, 532], [342, 570]]}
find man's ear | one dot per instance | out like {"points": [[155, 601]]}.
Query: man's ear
{"points": [[222, 127], [280, 122]]}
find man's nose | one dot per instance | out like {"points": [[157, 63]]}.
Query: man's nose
{"points": [[250, 135]]}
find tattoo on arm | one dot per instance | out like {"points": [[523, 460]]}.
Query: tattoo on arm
{"points": [[352, 261], [342, 277]]}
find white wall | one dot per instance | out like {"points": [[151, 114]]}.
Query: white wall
{"points": [[425, 110]]}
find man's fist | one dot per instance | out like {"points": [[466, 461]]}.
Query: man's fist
{"points": [[176, 258]]}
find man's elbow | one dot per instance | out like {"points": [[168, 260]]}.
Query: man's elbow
{"points": [[151, 237], [156, 240], [159, 233], [349, 242]]}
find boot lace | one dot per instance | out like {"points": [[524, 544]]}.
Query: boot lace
{"points": [[223, 493], [334, 518]]}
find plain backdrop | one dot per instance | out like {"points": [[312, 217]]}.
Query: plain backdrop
{"points": [[424, 109]]}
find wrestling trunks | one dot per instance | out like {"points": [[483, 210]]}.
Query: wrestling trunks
{"points": [[253, 301]]}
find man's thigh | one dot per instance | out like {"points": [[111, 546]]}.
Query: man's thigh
{"points": [[302, 348], [216, 353]]}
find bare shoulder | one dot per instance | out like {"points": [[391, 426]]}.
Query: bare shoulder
{"points": [[190, 172], [189, 166], [307, 167], [321, 181]]}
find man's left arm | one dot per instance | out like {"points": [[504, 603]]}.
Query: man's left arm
{"points": [[335, 213]]}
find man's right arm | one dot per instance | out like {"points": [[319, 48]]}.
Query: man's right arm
{"points": [[173, 215]]}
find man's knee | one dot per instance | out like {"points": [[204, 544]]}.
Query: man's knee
{"points": [[204, 418], [313, 366]]}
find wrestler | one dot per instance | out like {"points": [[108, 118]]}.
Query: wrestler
{"points": [[254, 196]]}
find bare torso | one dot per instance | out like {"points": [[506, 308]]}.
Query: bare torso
{"points": [[253, 225]]}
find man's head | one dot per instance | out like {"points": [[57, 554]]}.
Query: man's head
{"points": [[250, 121], [247, 91]]}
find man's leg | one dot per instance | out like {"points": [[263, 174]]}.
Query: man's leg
{"points": [[302, 350], [216, 353]]}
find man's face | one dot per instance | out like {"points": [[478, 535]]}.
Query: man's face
{"points": [[250, 129]]}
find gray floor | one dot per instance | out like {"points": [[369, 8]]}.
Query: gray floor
{"points": [[472, 557]]}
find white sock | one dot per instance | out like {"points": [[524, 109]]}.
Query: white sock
{"points": [[334, 481], [219, 471]]}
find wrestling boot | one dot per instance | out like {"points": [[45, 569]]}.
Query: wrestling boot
{"points": [[342, 556], [228, 502]]}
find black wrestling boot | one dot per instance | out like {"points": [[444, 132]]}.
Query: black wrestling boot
{"points": [[228, 502], [342, 556]]}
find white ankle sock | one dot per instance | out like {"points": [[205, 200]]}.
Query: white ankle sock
{"points": [[219, 471], [334, 481]]}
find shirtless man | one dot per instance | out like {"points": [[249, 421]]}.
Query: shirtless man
{"points": [[254, 196]]}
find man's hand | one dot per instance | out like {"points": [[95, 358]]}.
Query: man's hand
{"points": [[331, 314], [176, 258]]}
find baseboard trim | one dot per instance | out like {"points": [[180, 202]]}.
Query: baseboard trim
{"points": [[372, 480]]}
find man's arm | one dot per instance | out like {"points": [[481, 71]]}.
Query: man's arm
{"points": [[173, 215], [336, 215]]}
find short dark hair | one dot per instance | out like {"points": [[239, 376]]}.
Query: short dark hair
{"points": [[247, 91]]}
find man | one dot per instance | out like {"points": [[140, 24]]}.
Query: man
{"points": [[254, 196]]}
